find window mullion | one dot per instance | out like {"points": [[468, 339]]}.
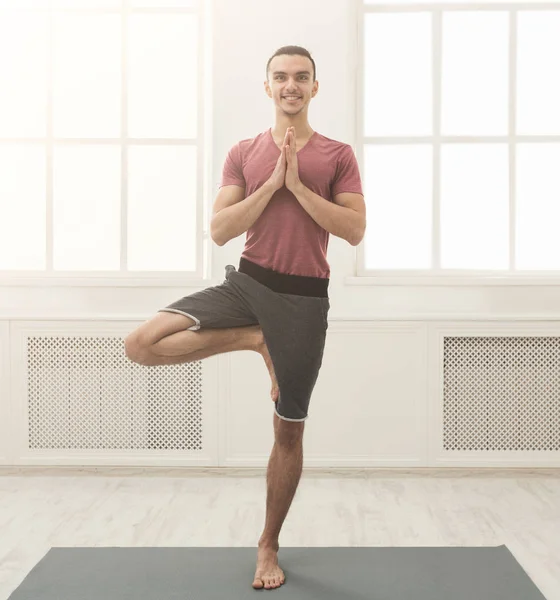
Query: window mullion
{"points": [[436, 112], [124, 136], [512, 147], [49, 146]]}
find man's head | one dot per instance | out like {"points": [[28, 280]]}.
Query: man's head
{"points": [[291, 72]]}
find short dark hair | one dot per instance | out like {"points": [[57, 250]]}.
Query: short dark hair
{"points": [[291, 50]]}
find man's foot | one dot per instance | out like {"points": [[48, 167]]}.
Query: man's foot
{"points": [[262, 349], [268, 575]]}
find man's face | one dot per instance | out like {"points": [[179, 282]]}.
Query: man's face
{"points": [[290, 82]]}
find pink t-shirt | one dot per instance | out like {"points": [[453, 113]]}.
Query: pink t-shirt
{"points": [[285, 237]]}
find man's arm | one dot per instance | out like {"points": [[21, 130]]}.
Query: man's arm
{"points": [[345, 217], [232, 216]]}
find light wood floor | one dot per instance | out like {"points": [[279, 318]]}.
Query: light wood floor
{"points": [[40, 508]]}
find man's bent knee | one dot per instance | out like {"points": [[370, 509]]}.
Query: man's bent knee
{"points": [[138, 352], [138, 343]]}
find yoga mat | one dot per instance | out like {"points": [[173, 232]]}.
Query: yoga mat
{"points": [[312, 573]]}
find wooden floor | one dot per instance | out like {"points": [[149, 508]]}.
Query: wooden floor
{"points": [[41, 508]]}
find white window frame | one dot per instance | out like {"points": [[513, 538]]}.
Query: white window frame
{"points": [[438, 276], [123, 278]]}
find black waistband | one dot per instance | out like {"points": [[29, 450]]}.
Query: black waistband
{"points": [[284, 283]]}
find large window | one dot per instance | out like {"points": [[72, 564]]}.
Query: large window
{"points": [[460, 148], [100, 137]]}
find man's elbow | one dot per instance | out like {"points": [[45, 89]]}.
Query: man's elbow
{"points": [[357, 239], [214, 236], [218, 242]]}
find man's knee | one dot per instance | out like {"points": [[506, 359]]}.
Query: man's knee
{"points": [[136, 351], [288, 433]]}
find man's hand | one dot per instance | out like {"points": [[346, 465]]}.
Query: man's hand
{"points": [[278, 177], [292, 173]]}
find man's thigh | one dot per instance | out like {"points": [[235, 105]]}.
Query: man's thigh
{"points": [[217, 307], [295, 333]]}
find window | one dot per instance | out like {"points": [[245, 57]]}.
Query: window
{"points": [[460, 139], [101, 138]]}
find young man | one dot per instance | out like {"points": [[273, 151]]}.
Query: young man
{"points": [[288, 188]]}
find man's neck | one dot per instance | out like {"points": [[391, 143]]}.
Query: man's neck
{"points": [[302, 128]]}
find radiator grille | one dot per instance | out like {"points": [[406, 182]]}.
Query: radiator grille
{"points": [[85, 394], [501, 393]]}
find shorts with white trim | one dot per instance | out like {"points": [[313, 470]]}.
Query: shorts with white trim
{"points": [[292, 311]]}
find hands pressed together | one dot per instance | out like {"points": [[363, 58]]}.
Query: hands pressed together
{"points": [[286, 171]]}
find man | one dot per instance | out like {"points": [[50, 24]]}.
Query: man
{"points": [[288, 188]]}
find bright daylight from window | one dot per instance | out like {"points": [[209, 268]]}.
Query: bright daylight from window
{"points": [[476, 204], [66, 101]]}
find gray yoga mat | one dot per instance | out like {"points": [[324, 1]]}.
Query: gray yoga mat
{"points": [[356, 573]]}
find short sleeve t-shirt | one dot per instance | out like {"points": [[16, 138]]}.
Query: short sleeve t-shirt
{"points": [[285, 238]]}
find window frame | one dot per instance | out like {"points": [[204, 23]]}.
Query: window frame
{"points": [[124, 278], [437, 276]]}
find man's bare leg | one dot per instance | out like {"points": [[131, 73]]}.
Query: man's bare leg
{"points": [[187, 346], [283, 474]]}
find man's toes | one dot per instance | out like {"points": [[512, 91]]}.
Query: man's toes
{"points": [[258, 583]]}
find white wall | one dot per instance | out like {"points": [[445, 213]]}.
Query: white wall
{"points": [[246, 34]]}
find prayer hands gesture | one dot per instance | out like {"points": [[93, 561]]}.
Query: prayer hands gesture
{"points": [[286, 171]]}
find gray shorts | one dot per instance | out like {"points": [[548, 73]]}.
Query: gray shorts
{"points": [[294, 325]]}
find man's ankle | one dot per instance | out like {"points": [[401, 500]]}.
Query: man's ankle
{"points": [[258, 337], [268, 544]]}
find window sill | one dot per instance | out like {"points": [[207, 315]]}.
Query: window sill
{"points": [[182, 281], [121, 281], [453, 280]]}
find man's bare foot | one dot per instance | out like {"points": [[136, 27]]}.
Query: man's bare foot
{"points": [[262, 349], [268, 575]]}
